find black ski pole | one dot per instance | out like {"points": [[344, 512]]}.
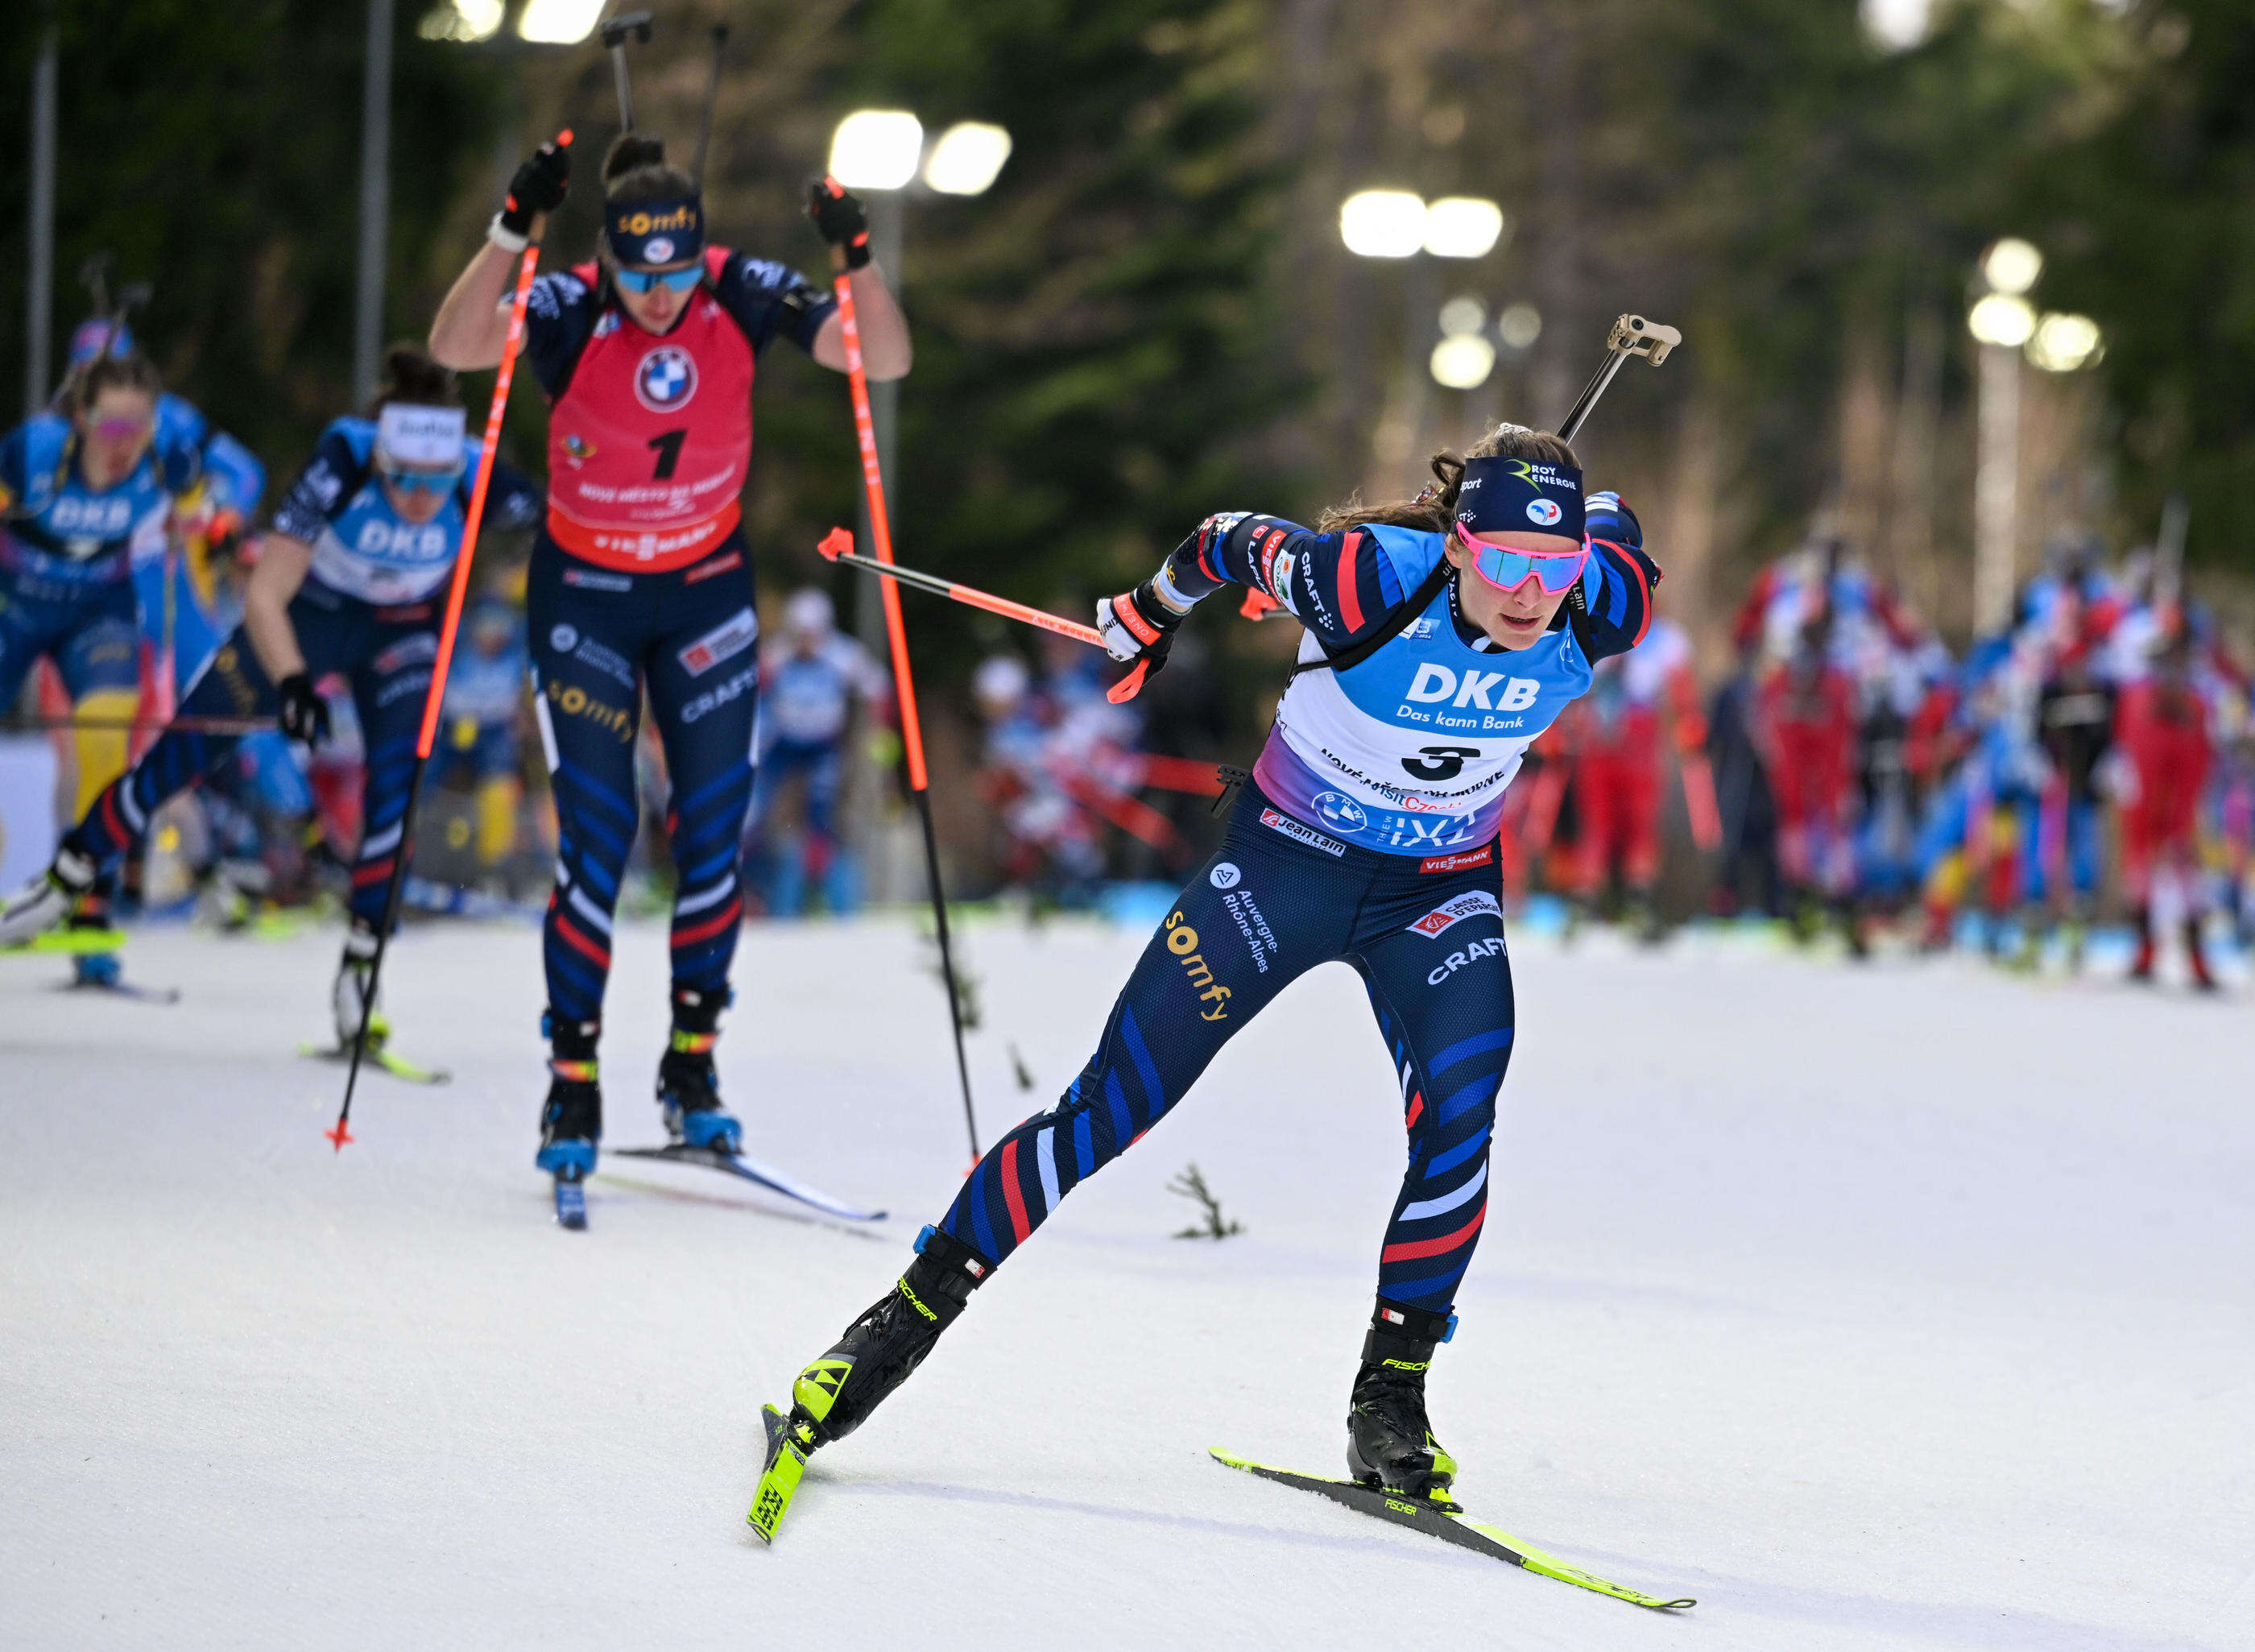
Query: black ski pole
{"points": [[341, 1133]]}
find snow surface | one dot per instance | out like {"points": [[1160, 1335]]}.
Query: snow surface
{"points": [[1901, 1308]]}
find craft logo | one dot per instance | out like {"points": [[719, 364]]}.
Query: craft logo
{"points": [[1182, 941], [667, 379], [1471, 903], [1226, 877], [1455, 961], [1544, 512], [1481, 856], [562, 639], [1340, 812], [725, 641]]}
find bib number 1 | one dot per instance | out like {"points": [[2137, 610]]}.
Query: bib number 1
{"points": [[668, 449]]}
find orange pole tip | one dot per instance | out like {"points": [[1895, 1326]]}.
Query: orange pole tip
{"points": [[835, 544], [338, 1137]]}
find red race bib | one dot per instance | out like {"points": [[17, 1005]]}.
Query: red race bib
{"points": [[650, 443]]}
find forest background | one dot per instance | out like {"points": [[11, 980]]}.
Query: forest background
{"points": [[1151, 314]]}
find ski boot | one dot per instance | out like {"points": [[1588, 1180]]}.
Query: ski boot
{"points": [[835, 1395], [688, 1088], [2195, 945], [571, 1121], [47, 900], [105, 970], [350, 998], [2141, 925], [1390, 1445]]}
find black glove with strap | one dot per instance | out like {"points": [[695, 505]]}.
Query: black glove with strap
{"points": [[538, 188], [840, 219], [303, 714]]}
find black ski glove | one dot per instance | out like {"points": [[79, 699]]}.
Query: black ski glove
{"points": [[1135, 625], [538, 186], [840, 219], [303, 714]]}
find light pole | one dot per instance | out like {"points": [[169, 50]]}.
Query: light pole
{"points": [[2001, 320], [1398, 224], [876, 153], [39, 286], [374, 201]]}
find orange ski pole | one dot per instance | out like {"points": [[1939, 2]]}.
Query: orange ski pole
{"points": [[881, 533]]}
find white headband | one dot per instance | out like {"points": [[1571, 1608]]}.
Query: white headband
{"points": [[410, 434]]}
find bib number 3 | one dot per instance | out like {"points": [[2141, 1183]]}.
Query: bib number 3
{"points": [[1439, 762]]}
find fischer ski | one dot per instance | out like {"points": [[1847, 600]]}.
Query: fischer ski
{"points": [[381, 1056], [1450, 1524], [759, 1175], [779, 1475], [70, 942]]}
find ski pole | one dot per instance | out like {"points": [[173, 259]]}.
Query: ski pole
{"points": [[431, 700], [872, 483], [834, 546]]}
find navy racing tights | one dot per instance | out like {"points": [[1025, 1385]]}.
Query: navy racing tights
{"points": [[598, 638], [1278, 898]]}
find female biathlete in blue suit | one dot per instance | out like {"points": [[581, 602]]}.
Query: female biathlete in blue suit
{"points": [[349, 580], [640, 581], [83, 487], [1442, 636]]}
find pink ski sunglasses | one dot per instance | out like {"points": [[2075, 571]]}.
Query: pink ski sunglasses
{"points": [[1506, 570]]}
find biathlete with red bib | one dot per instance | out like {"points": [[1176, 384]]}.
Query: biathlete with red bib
{"points": [[641, 580]]}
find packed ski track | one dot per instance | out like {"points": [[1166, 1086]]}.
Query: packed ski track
{"points": [[1900, 1307]]}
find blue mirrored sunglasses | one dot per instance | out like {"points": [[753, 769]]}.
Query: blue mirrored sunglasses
{"points": [[1507, 569], [641, 281]]}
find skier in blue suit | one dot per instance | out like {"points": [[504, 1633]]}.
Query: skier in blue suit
{"points": [[1443, 635]]}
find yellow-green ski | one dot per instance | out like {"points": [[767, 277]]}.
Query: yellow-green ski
{"points": [[786, 1461], [1450, 1526], [68, 941]]}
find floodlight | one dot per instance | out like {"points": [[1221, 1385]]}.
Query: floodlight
{"points": [[1519, 326], [2065, 343], [2002, 319], [1463, 314], [2011, 266], [967, 159], [1463, 226], [876, 148], [558, 22], [1382, 223], [1463, 361]]}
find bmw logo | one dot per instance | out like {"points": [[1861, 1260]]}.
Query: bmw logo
{"points": [[1340, 811], [667, 379], [1543, 512]]}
